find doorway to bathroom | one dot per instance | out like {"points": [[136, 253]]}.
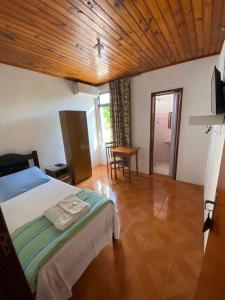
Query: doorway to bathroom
{"points": [[164, 131]]}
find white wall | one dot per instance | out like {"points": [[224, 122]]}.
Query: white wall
{"points": [[164, 103], [195, 78], [29, 105], [215, 150], [104, 88]]}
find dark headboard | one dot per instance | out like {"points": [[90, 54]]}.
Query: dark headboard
{"points": [[12, 163]]}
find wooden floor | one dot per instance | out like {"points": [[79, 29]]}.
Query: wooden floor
{"points": [[161, 246]]}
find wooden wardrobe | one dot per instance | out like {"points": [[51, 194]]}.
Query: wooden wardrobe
{"points": [[76, 144]]}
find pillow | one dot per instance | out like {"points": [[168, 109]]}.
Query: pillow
{"points": [[20, 182]]}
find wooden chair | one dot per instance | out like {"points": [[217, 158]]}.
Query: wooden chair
{"points": [[118, 163]]}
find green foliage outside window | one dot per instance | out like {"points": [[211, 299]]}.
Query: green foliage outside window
{"points": [[106, 114]]}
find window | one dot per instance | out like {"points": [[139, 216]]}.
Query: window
{"points": [[104, 110]]}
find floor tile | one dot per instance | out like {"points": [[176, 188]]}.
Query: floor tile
{"points": [[160, 250]]}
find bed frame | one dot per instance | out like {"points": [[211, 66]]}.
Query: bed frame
{"points": [[14, 284], [13, 281], [12, 163]]}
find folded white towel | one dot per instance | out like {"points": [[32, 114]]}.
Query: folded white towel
{"points": [[72, 204], [67, 211]]}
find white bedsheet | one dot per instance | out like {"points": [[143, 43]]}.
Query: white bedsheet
{"points": [[63, 269]]}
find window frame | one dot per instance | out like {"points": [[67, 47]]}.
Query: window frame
{"points": [[99, 115]]}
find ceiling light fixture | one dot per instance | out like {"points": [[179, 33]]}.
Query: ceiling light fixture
{"points": [[79, 46], [99, 48], [118, 3]]}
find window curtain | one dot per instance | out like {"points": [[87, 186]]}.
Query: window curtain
{"points": [[120, 111]]}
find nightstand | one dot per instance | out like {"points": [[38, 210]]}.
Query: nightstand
{"points": [[60, 172]]}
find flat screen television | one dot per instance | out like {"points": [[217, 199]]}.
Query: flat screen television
{"points": [[217, 94]]}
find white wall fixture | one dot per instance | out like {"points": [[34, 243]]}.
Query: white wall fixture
{"points": [[207, 120], [82, 88]]}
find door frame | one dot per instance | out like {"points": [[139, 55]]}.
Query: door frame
{"points": [[152, 127]]}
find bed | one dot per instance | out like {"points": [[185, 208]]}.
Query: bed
{"points": [[61, 270]]}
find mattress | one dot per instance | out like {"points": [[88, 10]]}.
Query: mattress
{"points": [[57, 276]]}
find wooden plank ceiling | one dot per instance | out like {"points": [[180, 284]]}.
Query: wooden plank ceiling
{"points": [[57, 36]]}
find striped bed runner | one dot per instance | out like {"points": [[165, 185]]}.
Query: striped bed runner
{"points": [[36, 241]]}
